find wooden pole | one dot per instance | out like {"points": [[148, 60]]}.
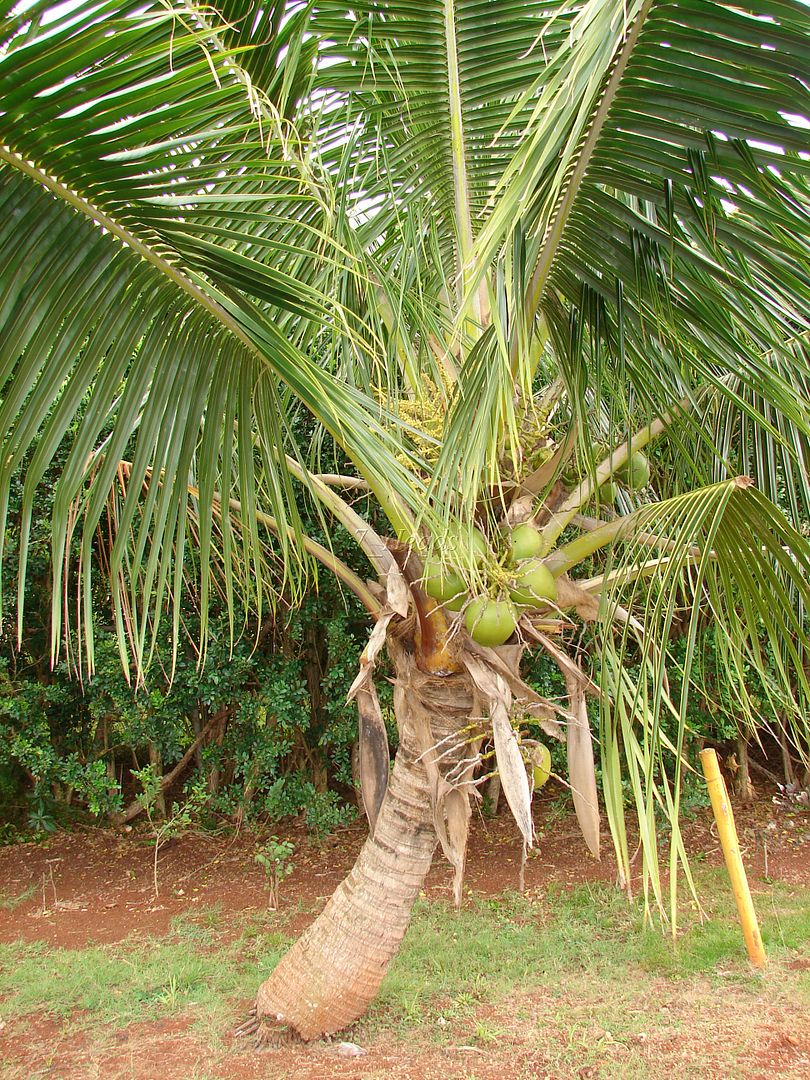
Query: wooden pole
{"points": [[731, 851]]}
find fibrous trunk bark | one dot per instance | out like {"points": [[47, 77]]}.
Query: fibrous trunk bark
{"points": [[331, 975]]}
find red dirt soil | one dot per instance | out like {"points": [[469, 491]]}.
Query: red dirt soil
{"points": [[96, 885]]}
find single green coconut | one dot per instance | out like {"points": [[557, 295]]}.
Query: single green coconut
{"points": [[608, 492], [475, 539], [462, 541], [635, 473], [490, 622], [539, 757], [457, 602], [444, 584], [524, 542], [534, 585]]}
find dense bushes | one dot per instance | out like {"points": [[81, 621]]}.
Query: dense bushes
{"points": [[261, 729], [266, 722]]}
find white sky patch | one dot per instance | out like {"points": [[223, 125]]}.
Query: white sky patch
{"points": [[771, 148], [721, 180], [796, 120]]}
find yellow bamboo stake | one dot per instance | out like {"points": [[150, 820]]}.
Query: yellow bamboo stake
{"points": [[731, 851]]}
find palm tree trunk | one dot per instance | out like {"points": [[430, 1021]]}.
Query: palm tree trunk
{"points": [[331, 975]]}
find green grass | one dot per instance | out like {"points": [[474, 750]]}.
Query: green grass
{"points": [[10, 901], [576, 975], [492, 947], [190, 970]]}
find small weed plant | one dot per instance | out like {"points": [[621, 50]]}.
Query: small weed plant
{"points": [[275, 858], [176, 823]]}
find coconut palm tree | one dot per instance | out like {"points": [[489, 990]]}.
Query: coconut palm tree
{"points": [[538, 271]]}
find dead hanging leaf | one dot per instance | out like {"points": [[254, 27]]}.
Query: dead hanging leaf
{"points": [[374, 753], [376, 589], [506, 662], [570, 595], [514, 782], [457, 809], [397, 591], [377, 636], [568, 665], [457, 814], [581, 767], [374, 644], [509, 657], [543, 716]]}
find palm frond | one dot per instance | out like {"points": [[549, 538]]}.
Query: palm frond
{"points": [[736, 564], [667, 249], [194, 350]]}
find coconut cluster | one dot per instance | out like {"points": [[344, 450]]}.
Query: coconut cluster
{"points": [[530, 585]]}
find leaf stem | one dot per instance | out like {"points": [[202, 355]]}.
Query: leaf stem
{"points": [[611, 464]]}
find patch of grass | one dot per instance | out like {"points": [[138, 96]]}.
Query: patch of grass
{"points": [[141, 978], [198, 926], [486, 1033], [715, 946], [269, 921], [10, 901], [494, 946]]}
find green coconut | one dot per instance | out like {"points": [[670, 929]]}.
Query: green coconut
{"points": [[476, 540], [461, 541], [608, 492], [635, 473], [444, 584], [524, 542], [534, 584], [539, 757], [490, 622]]}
